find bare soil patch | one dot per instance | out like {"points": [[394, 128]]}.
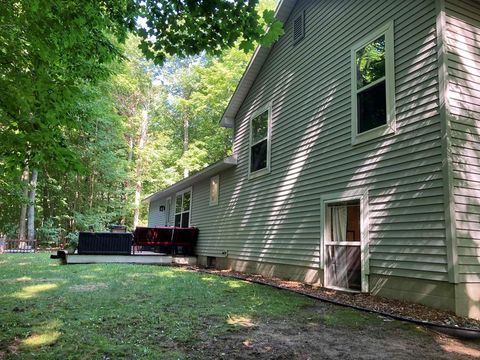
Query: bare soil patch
{"points": [[327, 336], [88, 287]]}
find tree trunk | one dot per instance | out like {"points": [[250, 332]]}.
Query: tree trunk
{"points": [[23, 209], [127, 182], [91, 190], [139, 167], [185, 141], [31, 206]]}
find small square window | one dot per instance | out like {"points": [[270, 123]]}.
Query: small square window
{"points": [[373, 86], [214, 189]]}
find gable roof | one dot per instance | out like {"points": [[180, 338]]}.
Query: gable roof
{"points": [[205, 173], [259, 57]]}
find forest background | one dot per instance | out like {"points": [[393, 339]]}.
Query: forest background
{"points": [[133, 125]]}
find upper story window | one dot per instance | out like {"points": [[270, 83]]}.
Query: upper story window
{"points": [[373, 86], [214, 189], [183, 202], [260, 138]]}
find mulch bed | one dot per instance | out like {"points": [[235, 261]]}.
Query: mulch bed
{"points": [[408, 310]]}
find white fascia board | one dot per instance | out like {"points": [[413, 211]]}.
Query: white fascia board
{"points": [[259, 57]]}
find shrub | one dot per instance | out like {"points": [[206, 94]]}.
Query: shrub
{"points": [[48, 234], [72, 240]]}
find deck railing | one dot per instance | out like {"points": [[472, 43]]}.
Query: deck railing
{"points": [[17, 246]]}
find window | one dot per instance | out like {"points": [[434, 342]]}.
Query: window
{"points": [[345, 240], [373, 86], [260, 133], [214, 188], [182, 208]]}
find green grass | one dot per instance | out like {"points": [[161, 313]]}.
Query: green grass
{"points": [[350, 318], [50, 311]]}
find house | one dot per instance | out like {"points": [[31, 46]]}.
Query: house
{"points": [[357, 155]]}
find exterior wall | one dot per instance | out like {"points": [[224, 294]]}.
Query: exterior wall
{"points": [[155, 216], [437, 294], [463, 56], [290, 272], [276, 219], [158, 218], [422, 182]]}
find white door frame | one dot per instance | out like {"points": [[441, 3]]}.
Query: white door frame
{"points": [[362, 196], [189, 189], [168, 209]]}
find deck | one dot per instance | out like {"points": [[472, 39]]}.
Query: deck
{"points": [[137, 258]]}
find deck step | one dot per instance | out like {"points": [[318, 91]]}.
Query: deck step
{"points": [[131, 259]]}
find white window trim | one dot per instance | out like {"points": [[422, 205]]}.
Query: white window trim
{"points": [[264, 171], [362, 196], [213, 203], [189, 189], [390, 126]]}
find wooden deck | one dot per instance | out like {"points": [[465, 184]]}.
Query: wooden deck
{"points": [[142, 258]]}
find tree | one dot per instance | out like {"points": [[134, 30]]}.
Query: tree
{"points": [[48, 51], [199, 90], [31, 206], [23, 207], [60, 118], [133, 94], [50, 48], [185, 27]]}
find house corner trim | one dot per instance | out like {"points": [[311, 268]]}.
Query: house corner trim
{"points": [[447, 165]]}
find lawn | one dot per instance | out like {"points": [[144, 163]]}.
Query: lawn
{"points": [[51, 311], [48, 310]]}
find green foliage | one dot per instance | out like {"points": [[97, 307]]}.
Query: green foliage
{"points": [[9, 230], [48, 234], [74, 87], [94, 220], [371, 62], [11, 198], [72, 240], [199, 91], [206, 25], [49, 50]]}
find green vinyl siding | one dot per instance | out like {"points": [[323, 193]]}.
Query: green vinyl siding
{"points": [[155, 216], [276, 218]]}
